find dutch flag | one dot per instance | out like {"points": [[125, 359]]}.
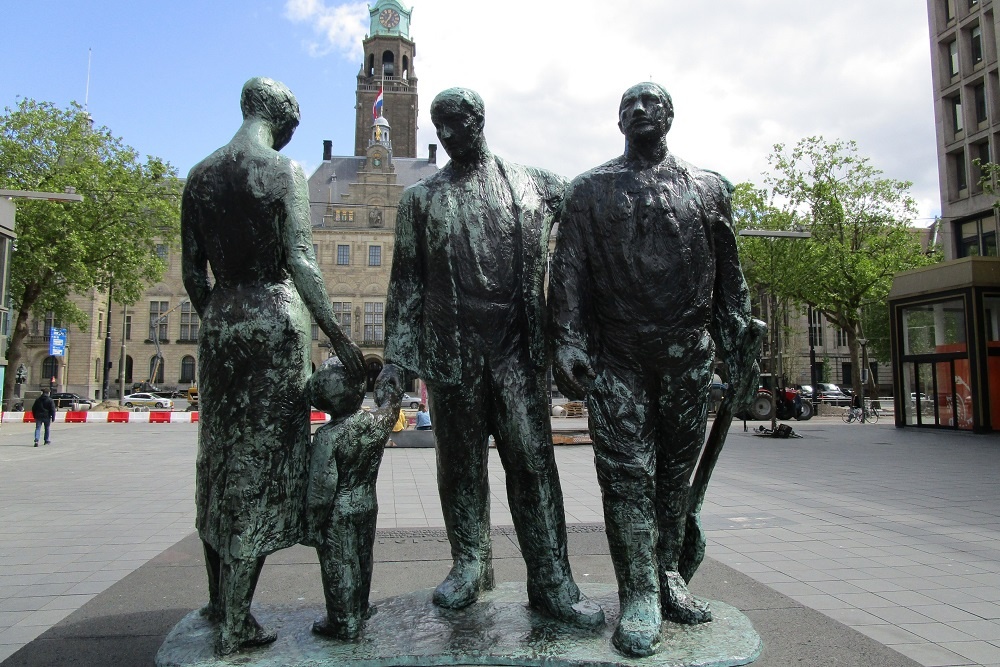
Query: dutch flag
{"points": [[377, 107]]}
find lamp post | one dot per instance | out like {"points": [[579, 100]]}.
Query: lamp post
{"points": [[774, 234], [864, 371]]}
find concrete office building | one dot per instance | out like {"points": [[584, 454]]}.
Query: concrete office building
{"points": [[946, 318]]}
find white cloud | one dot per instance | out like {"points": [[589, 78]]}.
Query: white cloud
{"points": [[744, 74], [340, 28]]}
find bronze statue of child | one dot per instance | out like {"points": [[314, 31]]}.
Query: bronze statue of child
{"points": [[341, 505]]}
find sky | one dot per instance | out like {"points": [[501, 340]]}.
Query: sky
{"points": [[744, 74]]}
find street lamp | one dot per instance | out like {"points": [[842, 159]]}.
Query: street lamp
{"points": [[863, 342], [774, 234]]}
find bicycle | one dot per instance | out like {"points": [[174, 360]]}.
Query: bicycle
{"points": [[869, 414]]}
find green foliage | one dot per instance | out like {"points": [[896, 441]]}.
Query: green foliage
{"points": [[63, 249], [861, 234]]}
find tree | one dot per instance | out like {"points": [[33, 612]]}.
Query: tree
{"points": [[861, 234], [108, 240]]}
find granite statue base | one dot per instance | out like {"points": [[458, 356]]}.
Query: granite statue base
{"points": [[409, 630]]}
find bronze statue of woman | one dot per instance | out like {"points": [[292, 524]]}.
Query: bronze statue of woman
{"points": [[245, 216]]}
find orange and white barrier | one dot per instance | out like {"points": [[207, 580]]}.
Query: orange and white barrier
{"points": [[149, 417]]}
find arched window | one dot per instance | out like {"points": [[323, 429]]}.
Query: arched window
{"points": [[156, 364], [406, 68], [388, 66], [128, 369], [50, 369], [187, 369], [371, 64]]}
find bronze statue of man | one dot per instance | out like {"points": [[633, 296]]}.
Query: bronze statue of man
{"points": [[466, 313], [645, 287], [245, 214]]}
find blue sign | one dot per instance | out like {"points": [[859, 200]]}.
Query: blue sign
{"points": [[57, 342]]}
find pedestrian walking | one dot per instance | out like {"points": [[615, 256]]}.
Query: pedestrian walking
{"points": [[44, 411]]}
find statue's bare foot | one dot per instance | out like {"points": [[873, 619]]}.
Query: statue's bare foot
{"points": [[638, 631], [337, 629], [565, 604], [679, 605], [372, 610], [463, 585], [249, 635]]}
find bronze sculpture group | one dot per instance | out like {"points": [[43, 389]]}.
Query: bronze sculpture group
{"points": [[645, 290]]}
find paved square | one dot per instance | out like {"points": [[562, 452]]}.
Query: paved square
{"points": [[892, 532]]}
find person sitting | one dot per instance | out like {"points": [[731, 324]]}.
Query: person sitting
{"points": [[423, 418]]}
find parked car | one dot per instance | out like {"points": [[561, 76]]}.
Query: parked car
{"points": [[71, 401], [146, 400], [410, 401], [831, 394]]}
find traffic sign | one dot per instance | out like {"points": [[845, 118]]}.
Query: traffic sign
{"points": [[57, 342]]}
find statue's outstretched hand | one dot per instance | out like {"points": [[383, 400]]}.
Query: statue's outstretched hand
{"points": [[573, 372], [744, 371], [350, 355], [388, 385]]}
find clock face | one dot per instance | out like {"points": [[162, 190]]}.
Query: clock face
{"points": [[389, 18]]}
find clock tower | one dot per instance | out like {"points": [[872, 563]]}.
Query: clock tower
{"points": [[388, 66]]}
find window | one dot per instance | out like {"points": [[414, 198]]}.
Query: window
{"points": [[841, 338], [979, 95], [156, 369], [189, 322], [316, 252], [128, 369], [342, 313], [977, 237], [50, 323], [976, 38], [161, 251], [315, 330], [100, 324], [374, 325], [187, 369], [956, 114], [816, 329], [128, 327], [374, 255], [973, 3], [97, 368], [158, 319], [961, 173], [949, 10], [953, 58], [50, 370], [345, 215], [343, 255]]}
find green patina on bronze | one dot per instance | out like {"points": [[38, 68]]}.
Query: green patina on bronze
{"points": [[466, 312], [646, 285], [498, 630], [251, 274]]}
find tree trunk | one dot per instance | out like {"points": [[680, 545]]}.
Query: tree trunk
{"points": [[15, 353], [855, 348]]}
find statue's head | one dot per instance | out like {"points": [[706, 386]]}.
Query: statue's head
{"points": [[645, 113], [459, 115], [332, 389], [272, 102]]}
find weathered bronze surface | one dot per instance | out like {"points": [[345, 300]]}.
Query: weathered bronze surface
{"points": [[465, 312], [646, 284], [341, 503], [245, 216], [498, 630]]}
